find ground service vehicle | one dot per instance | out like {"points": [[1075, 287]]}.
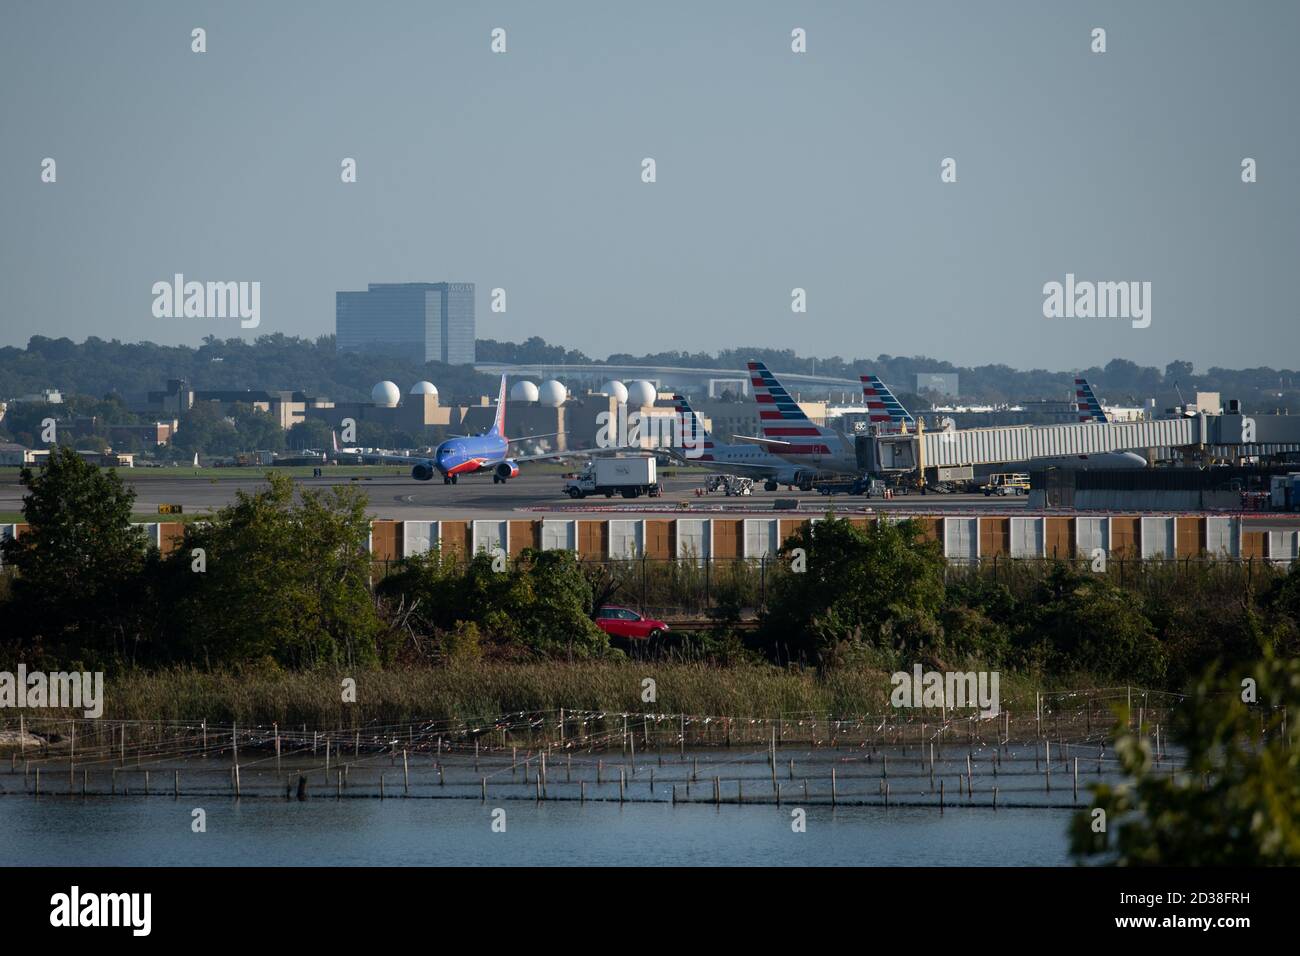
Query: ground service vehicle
{"points": [[730, 485], [629, 477], [1007, 483]]}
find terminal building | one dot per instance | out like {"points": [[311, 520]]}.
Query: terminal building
{"points": [[434, 320]]}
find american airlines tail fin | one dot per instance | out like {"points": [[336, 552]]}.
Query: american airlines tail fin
{"points": [[693, 433], [1085, 401], [780, 417], [882, 407], [691, 422], [499, 423]]}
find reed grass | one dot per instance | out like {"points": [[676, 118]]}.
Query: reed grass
{"points": [[466, 692]]}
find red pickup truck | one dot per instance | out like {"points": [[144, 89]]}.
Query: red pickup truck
{"points": [[624, 622]]}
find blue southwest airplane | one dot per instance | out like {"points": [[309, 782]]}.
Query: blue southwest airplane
{"points": [[470, 454]]}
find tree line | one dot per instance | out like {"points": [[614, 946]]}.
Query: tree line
{"points": [[101, 368]]}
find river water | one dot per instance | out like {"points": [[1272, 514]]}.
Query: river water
{"points": [[157, 831]]}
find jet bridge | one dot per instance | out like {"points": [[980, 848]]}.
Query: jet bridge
{"points": [[1218, 436], [884, 454]]}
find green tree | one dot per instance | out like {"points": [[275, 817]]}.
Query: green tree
{"points": [[284, 577], [1235, 801], [536, 605], [256, 429], [309, 433], [1079, 621], [880, 587], [78, 562]]}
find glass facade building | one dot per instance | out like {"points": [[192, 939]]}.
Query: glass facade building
{"points": [[431, 319]]}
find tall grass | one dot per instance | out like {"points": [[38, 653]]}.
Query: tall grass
{"points": [[467, 692]]}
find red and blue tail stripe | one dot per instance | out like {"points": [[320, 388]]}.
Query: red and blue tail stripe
{"points": [[882, 407], [1086, 402], [780, 415], [694, 428]]}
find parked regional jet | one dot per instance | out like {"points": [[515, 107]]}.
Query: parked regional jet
{"points": [[699, 448], [790, 434], [468, 454], [1090, 410]]}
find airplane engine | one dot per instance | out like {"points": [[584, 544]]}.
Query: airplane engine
{"points": [[422, 473], [505, 471]]}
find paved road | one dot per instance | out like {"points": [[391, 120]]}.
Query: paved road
{"points": [[535, 495]]}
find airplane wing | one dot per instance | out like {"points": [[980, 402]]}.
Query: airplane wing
{"points": [[390, 458], [754, 439], [531, 437], [570, 453], [710, 463]]}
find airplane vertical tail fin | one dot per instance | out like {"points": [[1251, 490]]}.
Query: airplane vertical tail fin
{"points": [[499, 423], [694, 435], [780, 416], [1086, 402], [883, 407]]}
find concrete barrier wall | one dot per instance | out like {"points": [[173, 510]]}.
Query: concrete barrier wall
{"points": [[1126, 536], [1222, 537], [1157, 537], [762, 537], [1189, 536], [1282, 546], [1028, 537], [1058, 537], [524, 535], [626, 538], [963, 537], [694, 538], [559, 535], [995, 537], [418, 537], [491, 536], [659, 538]]}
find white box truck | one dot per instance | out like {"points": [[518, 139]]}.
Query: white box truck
{"points": [[629, 477]]}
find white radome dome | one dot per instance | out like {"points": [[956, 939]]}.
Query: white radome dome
{"points": [[386, 393], [424, 388], [552, 393], [523, 391], [615, 390], [641, 393]]}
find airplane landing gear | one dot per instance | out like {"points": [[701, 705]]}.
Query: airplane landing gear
{"points": [[446, 479], [770, 486]]}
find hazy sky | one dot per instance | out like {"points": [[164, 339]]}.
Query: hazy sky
{"points": [[775, 170]]}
